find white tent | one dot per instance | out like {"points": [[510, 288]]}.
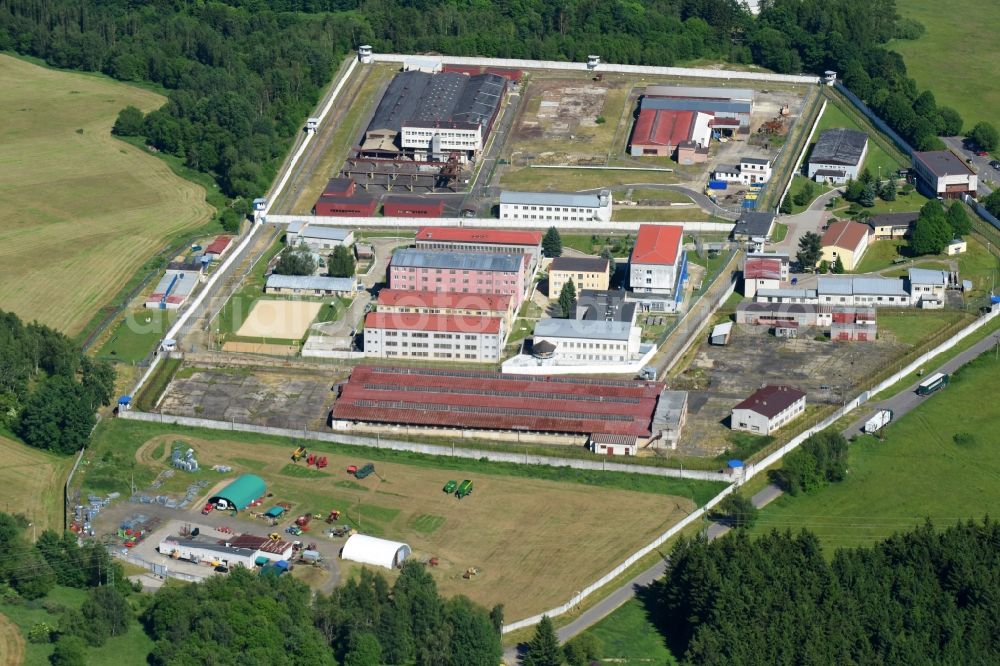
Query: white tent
{"points": [[372, 550]]}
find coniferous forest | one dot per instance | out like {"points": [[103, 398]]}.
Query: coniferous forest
{"points": [[241, 76]]}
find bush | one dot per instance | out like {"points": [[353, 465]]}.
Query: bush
{"points": [[600, 120], [40, 632], [964, 439]]}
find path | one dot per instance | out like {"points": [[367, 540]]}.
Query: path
{"points": [[11, 642], [900, 404], [811, 219], [700, 199]]}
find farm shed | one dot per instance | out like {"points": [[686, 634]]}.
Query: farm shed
{"points": [[241, 492], [372, 550]]}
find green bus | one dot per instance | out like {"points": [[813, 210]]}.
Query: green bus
{"points": [[932, 383]]}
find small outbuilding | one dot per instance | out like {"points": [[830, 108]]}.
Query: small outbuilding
{"points": [[721, 333], [240, 493], [372, 550]]}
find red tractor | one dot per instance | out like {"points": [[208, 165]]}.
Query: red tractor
{"points": [[303, 520], [321, 462], [310, 459]]}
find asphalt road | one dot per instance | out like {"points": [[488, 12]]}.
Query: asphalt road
{"points": [[903, 402]]}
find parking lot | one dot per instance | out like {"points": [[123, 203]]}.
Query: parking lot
{"points": [[720, 377]]}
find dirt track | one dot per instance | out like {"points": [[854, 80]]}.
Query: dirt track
{"points": [[11, 642]]}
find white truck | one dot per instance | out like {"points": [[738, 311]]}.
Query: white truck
{"points": [[878, 421]]}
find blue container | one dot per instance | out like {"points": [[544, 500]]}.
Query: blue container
{"points": [[717, 184]]}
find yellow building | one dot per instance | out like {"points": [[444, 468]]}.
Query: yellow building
{"points": [[847, 241], [585, 272]]}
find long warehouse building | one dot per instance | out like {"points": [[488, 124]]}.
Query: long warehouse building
{"points": [[470, 400]]}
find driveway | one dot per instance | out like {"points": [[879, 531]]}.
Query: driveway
{"points": [[811, 219]]}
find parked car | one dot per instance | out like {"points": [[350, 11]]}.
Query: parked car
{"points": [[222, 568], [982, 153], [995, 164]]}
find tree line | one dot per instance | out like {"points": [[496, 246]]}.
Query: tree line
{"points": [[49, 390], [242, 75], [923, 596]]}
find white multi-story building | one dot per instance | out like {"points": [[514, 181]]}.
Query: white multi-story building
{"points": [[658, 267], [548, 207], [940, 173], [927, 287], [859, 290], [588, 342], [432, 140], [434, 337]]}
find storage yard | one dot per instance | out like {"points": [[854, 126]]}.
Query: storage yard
{"points": [[497, 529]]}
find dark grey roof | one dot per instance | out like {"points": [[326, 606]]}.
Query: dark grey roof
{"points": [[893, 219], [830, 172], [753, 223], [504, 263], [839, 146], [704, 105], [579, 264], [943, 163], [755, 160], [438, 98], [605, 305]]}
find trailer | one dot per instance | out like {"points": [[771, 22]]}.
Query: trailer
{"points": [[932, 383], [878, 421], [465, 488]]}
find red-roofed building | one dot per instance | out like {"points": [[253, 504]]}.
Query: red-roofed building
{"points": [[413, 207], [448, 303], [768, 409], [464, 239], [218, 247], [659, 132], [434, 336], [764, 271], [846, 240], [341, 198], [658, 267], [472, 400]]}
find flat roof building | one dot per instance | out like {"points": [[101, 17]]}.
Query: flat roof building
{"points": [[607, 305], [940, 173], [317, 237], [547, 207], [753, 224], [837, 155]]}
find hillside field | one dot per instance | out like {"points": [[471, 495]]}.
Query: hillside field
{"points": [[32, 482], [957, 56], [940, 461], [83, 210], [530, 559]]}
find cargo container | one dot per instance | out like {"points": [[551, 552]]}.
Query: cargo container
{"points": [[878, 421]]}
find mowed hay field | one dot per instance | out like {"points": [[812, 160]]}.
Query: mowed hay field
{"points": [[957, 56], [83, 210], [536, 542], [940, 461], [32, 482]]}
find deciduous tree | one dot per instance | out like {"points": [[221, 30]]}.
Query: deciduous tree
{"points": [[959, 220], [985, 136], [932, 232], [341, 262]]}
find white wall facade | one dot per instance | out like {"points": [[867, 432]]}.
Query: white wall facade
{"points": [[750, 421], [434, 345], [653, 278], [438, 141], [590, 350], [543, 215]]}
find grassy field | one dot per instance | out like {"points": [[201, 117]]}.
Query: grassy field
{"points": [[925, 468], [957, 56], [90, 209], [32, 481], [627, 636], [798, 184], [498, 528], [672, 214], [131, 648], [526, 178], [913, 326], [833, 117], [136, 334], [976, 264]]}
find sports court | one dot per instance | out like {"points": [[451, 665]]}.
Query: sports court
{"points": [[286, 320]]}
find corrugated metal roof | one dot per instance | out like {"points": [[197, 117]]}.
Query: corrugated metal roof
{"points": [[552, 199], [787, 293], [858, 286], [320, 282], [583, 329], [839, 146], [702, 105], [657, 127], [445, 97], [928, 276], [325, 233], [494, 262], [697, 92], [295, 226]]}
